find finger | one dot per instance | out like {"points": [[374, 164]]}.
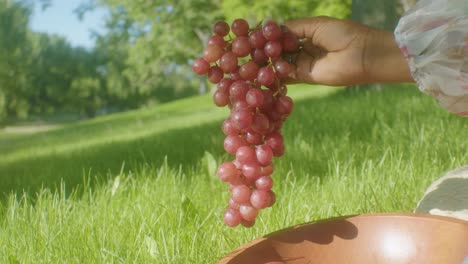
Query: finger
{"points": [[303, 63], [317, 70], [330, 34], [302, 67], [309, 28], [290, 80]]}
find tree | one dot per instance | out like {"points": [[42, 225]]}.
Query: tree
{"points": [[280, 10], [162, 35], [41, 73], [14, 19], [383, 14], [143, 58]]}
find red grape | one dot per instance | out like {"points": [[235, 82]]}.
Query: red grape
{"points": [[273, 49], [237, 164], [248, 212], [232, 204], [260, 199], [242, 118], [274, 140], [251, 171], [284, 105], [272, 198], [282, 68], [241, 194], [268, 170], [260, 124], [232, 143], [238, 90], [276, 126], [271, 30], [235, 76], [257, 40], [254, 97], [200, 66], [217, 40], [266, 76], [240, 27], [241, 46], [215, 74], [228, 62], [274, 115], [227, 171], [221, 98], [239, 105], [279, 151], [245, 155], [264, 154], [248, 71], [247, 224], [289, 41], [232, 217], [229, 129], [254, 138], [264, 183], [212, 53], [268, 101], [224, 84], [221, 28], [259, 56]]}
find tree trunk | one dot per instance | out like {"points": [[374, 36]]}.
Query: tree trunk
{"points": [[407, 4], [203, 87], [382, 14]]}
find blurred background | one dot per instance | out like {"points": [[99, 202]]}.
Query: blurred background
{"points": [[76, 59]]}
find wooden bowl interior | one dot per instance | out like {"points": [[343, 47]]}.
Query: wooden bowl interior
{"points": [[381, 238]]}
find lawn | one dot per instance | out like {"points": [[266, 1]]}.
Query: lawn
{"points": [[139, 187]]}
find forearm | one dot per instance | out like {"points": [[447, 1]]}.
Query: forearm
{"points": [[383, 60]]}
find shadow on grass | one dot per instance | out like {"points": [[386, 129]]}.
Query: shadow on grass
{"points": [[108, 124], [344, 118]]}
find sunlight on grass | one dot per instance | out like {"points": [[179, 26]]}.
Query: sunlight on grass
{"points": [[147, 193], [128, 126]]}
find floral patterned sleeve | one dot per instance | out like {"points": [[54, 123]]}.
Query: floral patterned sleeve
{"points": [[433, 36]]}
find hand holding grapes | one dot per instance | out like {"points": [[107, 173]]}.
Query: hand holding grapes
{"points": [[250, 74], [341, 52]]}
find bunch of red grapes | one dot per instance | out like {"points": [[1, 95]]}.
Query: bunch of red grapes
{"points": [[248, 69]]}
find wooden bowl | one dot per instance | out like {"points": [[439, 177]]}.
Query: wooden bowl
{"points": [[362, 239]]}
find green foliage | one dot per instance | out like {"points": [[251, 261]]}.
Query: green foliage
{"points": [[160, 36], [383, 14], [143, 58], [334, 8], [281, 10], [41, 73], [14, 61]]}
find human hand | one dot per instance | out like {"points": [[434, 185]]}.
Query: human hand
{"points": [[342, 52]]}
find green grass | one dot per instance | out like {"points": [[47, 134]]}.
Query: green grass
{"points": [[139, 187]]}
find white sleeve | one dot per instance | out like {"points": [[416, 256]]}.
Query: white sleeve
{"points": [[433, 36]]}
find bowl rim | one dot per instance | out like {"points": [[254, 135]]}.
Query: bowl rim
{"points": [[232, 254]]}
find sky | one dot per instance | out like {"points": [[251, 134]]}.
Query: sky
{"points": [[60, 19]]}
